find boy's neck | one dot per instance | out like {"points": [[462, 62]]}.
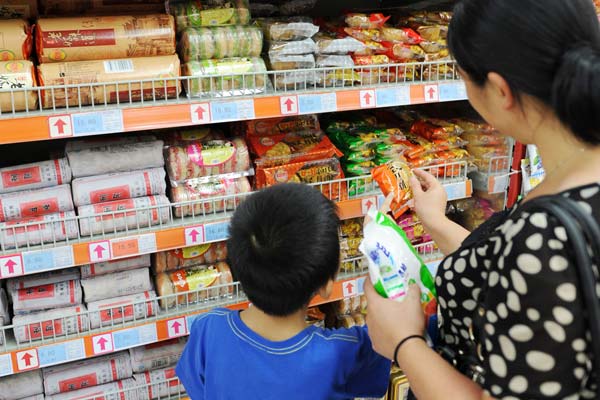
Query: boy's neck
{"points": [[275, 329]]}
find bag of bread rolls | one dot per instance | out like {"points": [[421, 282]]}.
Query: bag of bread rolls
{"points": [[25, 384], [36, 175], [194, 280], [207, 13], [50, 324], [95, 76], [45, 297], [15, 40], [35, 203], [218, 42], [17, 79], [122, 283], [157, 355], [49, 228], [186, 257], [108, 267], [122, 309]]}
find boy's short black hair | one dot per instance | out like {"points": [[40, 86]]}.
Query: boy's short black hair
{"points": [[283, 246]]}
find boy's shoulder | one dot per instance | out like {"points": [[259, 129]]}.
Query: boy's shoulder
{"points": [[214, 316]]}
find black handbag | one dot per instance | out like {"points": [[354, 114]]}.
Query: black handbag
{"points": [[583, 233]]}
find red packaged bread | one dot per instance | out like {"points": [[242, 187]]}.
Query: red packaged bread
{"points": [[186, 257]]}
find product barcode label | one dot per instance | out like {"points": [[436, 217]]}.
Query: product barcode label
{"points": [[118, 66]]}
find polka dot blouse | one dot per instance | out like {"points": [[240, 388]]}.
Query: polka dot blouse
{"points": [[517, 272]]}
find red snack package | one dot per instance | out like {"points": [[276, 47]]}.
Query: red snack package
{"points": [[393, 177]]}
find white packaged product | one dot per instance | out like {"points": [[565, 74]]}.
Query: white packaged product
{"points": [[147, 211], [122, 309], [162, 383], [34, 203], [118, 284], [35, 175], [108, 267], [124, 185], [157, 355], [119, 390], [86, 373], [4, 315], [18, 386], [45, 297], [49, 228], [35, 397], [45, 278], [99, 141], [49, 324], [116, 158]]}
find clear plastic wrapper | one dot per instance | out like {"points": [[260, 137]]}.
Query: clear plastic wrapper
{"points": [[16, 41], [364, 34], [44, 278], [127, 308], [160, 384], [196, 44], [400, 35], [35, 203], [433, 32], [45, 297], [36, 175], [206, 197], [436, 129], [193, 280], [48, 228], [296, 7], [17, 78], [25, 384], [118, 284], [289, 29], [359, 156], [433, 47], [208, 13], [329, 44], [21, 9], [366, 21], [209, 253], [157, 355], [298, 47], [282, 125], [287, 62], [380, 59], [118, 390], [227, 77], [485, 139], [101, 141], [119, 186], [145, 212], [326, 61], [108, 267], [100, 38], [100, 7]]}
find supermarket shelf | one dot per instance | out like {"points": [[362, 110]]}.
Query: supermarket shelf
{"points": [[416, 83], [495, 178]]}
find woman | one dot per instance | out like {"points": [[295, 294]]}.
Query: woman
{"points": [[509, 290]]}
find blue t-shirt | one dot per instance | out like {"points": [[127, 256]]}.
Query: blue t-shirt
{"points": [[224, 359]]}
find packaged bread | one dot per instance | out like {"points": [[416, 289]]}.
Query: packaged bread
{"points": [[15, 40], [159, 384], [94, 76], [329, 61], [206, 158], [209, 196], [366, 21], [112, 217], [118, 284], [35, 203], [288, 29], [329, 44], [25, 384], [36, 175], [196, 44], [297, 47], [123, 157], [19, 9], [196, 281], [157, 355], [107, 312], [49, 228], [209, 253], [17, 80], [281, 125], [229, 76], [44, 278], [286, 62], [208, 13], [108, 267], [45, 297], [119, 186], [125, 389], [100, 7]]}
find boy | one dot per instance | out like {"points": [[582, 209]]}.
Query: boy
{"points": [[283, 249]]}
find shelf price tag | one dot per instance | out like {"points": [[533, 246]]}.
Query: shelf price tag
{"points": [[459, 190], [61, 353], [128, 338], [5, 365], [498, 184], [367, 204], [46, 260], [133, 246], [200, 113], [317, 103], [27, 360], [453, 91], [97, 122], [360, 283], [389, 97], [223, 111], [216, 232]]}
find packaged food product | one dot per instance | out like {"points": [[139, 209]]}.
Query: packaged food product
{"points": [[119, 186], [434, 46], [282, 125], [298, 79], [297, 47], [391, 150], [351, 123], [99, 141], [366, 21], [25, 384], [118, 390], [44, 278], [359, 169], [49, 228], [4, 314], [154, 71], [45, 297], [157, 355], [209, 196], [408, 220], [335, 61], [350, 141], [50, 324], [433, 32], [101, 38], [477, 138], [193, 280], [379, 59], [126, 308], [359, 156], [122, 283], [226, 77], [208, 13], [108, 267], [351, 228], [453, 142], [394, 178], [295, 7], [417, 145], [201, 159], [187, 135], [288, 29], [35, 203], [113, 216], [36, 175], [81, 374], [349, 247], [100, 7], [414, 233], [343, 307], [197, 44], [435, 129], [292, 147], [16, 42], [400, 35], [287, 62], [394, 264], [405, 52], [160, 384], [17, 79], [330, 44], [21, 9], [364, 34], [209, 253]]}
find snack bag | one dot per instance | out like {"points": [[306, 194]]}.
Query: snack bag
{"points": [[394, 263], [393, 178], [366, 21]]}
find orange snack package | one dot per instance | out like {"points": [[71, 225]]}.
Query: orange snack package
{"points": [[393, 177]]}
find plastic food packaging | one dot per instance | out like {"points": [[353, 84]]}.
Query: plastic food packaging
{"points": [[379, 59], [193, 280], [277, 126], [394, 178], [209, 196], [157, 355], [476, 138], [295, 7], [103, 313], [364, 34], [435, 129], [100, 38], [17, 78], [207, 158], [186, 257], [15, 40], [116, 158], [359, 156], [298, 47], [288, 29], [118, 390], [35, 203], [50, 228], [433, 32], [434, 47], [156, 71], [400, 35], [208, 13], [359, 168], [37, 175], [119, 186], [108, 267], [44, 278], [289, 62], [394, 264], [4, 315], [366, 21], [21, 9], [205, 43], [45, 297], [226, 77], [193, 135], [335, 61], [85, 373], [25, 384], [100, 141], [145, 212], [327, 44], [162, 383], [118, 284], [100, 7]]}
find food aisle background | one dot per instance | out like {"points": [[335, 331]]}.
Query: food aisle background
{"points": [[130, 131]]}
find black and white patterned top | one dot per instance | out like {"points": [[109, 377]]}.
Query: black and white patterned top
{"points": [[536, 341]]}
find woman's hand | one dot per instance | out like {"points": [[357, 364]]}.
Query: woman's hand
{"points": [[390, 321], [430, 198]]}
